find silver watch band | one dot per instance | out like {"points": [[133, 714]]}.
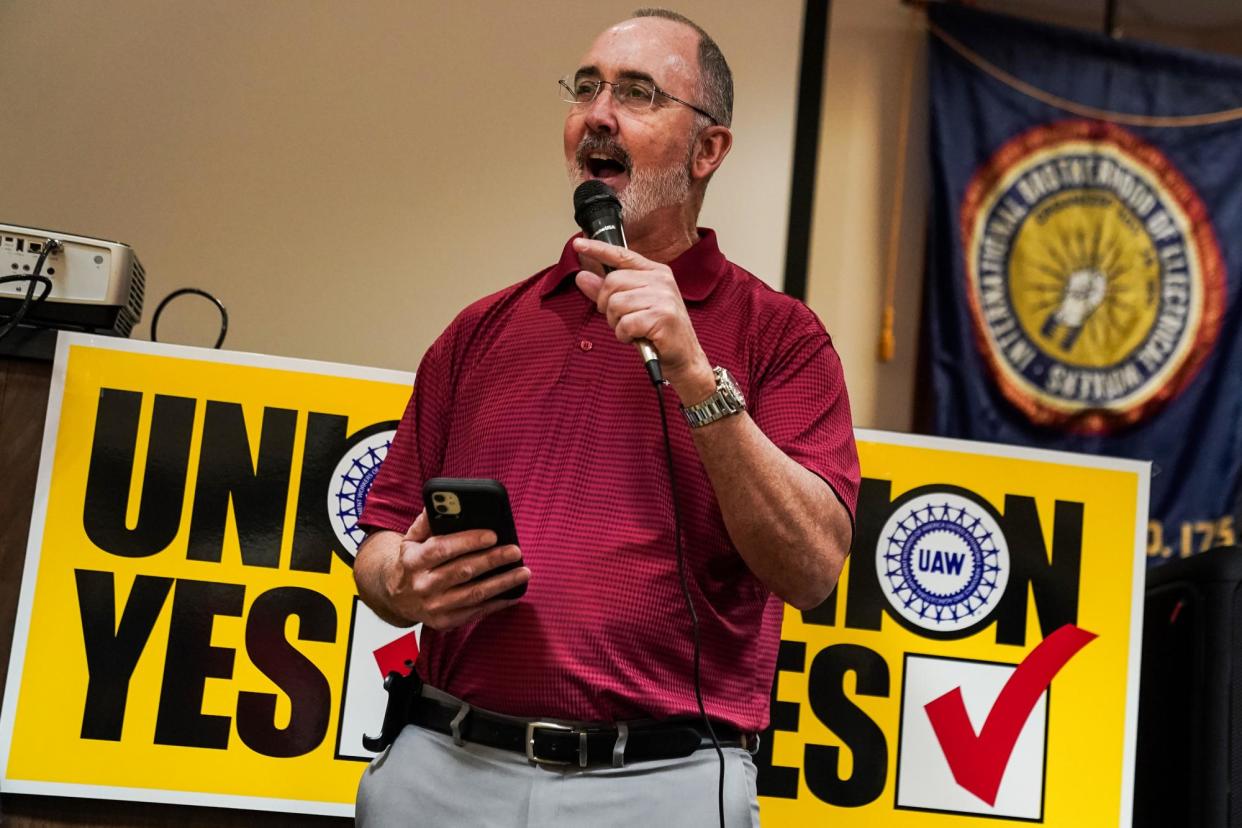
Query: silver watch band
{"points": [[726, 401]]}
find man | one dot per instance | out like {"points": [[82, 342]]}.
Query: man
{"points": [[540, 387]]}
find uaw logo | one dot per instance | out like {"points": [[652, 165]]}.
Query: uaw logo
{"points": [[351, 482], [942, 562], [973, 734], [1094, 277], [376, 648]]}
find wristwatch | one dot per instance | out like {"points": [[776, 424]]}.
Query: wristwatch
{"points": [[727, 400]]}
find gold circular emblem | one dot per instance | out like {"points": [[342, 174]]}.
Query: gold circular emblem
{"points": [[1094, 277], [1085, 278]]}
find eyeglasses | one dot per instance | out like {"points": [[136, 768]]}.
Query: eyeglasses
{"points": [[633, 94]]}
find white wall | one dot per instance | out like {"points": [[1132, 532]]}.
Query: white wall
{"points": [[345, 176], [870, 46]]}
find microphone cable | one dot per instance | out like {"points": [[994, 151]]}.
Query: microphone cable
{"points": [[598, 213], [685, 591]]}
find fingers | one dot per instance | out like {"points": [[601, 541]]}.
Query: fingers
{"points": [[446, 580], [642, 311], [447, 547], [469, 602], [636, 289], [589, 284], [435, 550], [465, 568], [477, 592], [641, 300], [621, 303], [420, 529], [638, 325], [592, 265], [605, 290], [621, 258]]}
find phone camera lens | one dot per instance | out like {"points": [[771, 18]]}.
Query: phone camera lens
{"points": [[441, 508], [438, 497]]}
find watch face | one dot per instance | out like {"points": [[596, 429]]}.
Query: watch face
{"points": [[730, 388], [727, 400]]}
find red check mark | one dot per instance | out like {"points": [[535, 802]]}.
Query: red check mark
{"points": [[978, 762], [393, 656]]}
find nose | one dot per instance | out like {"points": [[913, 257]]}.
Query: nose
{"points": [[601, 112]]}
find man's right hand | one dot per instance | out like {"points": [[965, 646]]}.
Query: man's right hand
{"points": [[424, 577]]}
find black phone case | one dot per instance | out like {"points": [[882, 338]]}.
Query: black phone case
{"points": [[484, 505]]}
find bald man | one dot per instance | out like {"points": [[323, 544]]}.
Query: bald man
{"points": [[577, 703]]}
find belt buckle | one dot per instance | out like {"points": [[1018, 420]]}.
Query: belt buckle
{"points": [[531, 727]]}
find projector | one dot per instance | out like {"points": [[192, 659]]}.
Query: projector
{"points": [[97, 285]]}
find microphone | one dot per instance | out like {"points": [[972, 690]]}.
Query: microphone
{"points": [[598, 213]]}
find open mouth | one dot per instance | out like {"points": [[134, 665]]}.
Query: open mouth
{"points": [[604, 167], [609, 164]]}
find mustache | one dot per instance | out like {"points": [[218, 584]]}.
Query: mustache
{"points": [[602, 144]]}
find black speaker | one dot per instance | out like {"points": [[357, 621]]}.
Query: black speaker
{"points": [[1188, 768]]}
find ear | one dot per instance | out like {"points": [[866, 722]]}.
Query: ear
{"points": [[711, 146]]}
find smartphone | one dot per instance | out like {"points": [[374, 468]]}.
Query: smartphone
{"points": [[456, 504]]}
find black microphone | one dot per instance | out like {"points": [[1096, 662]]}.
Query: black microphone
{"points": [[598, 213]]}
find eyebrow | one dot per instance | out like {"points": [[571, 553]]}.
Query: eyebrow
{"points": [[626, 74]]}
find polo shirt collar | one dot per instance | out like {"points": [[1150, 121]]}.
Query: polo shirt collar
{"points": [[697, 271]]}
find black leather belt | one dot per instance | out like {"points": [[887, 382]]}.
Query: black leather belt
{"points": [[546, 742], [555, 743]]}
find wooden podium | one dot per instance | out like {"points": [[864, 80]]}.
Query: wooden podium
{"points": [[25, 377]]}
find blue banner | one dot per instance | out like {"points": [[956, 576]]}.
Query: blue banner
{"points": [[1084, 255]]}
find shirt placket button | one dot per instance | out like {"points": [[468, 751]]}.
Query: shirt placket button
{"points": [[585, 345]]}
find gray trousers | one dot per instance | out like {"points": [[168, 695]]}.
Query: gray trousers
{"points": [[424, 779]]}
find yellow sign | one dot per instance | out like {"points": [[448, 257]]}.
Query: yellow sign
{"points": [[979, 659], [189, 631], [188, 605]]}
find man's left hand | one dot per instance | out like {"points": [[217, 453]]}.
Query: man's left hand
{"points": [[640, 299]]}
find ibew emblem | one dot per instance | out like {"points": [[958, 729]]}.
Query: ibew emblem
{"points": [[1094, 277]]}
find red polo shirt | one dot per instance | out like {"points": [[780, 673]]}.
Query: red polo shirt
{"points": [[531, 387]]}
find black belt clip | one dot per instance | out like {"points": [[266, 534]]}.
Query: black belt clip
{"points": [[402, 691]]}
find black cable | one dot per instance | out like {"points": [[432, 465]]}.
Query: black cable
{"points": [[685, 591], [224, 314], [33, 279]]}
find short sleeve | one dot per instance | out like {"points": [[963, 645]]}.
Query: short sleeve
{"points": [[417, 450], [800, 403]]}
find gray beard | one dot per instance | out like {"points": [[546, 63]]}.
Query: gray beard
{"points": [[649, 189]]}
